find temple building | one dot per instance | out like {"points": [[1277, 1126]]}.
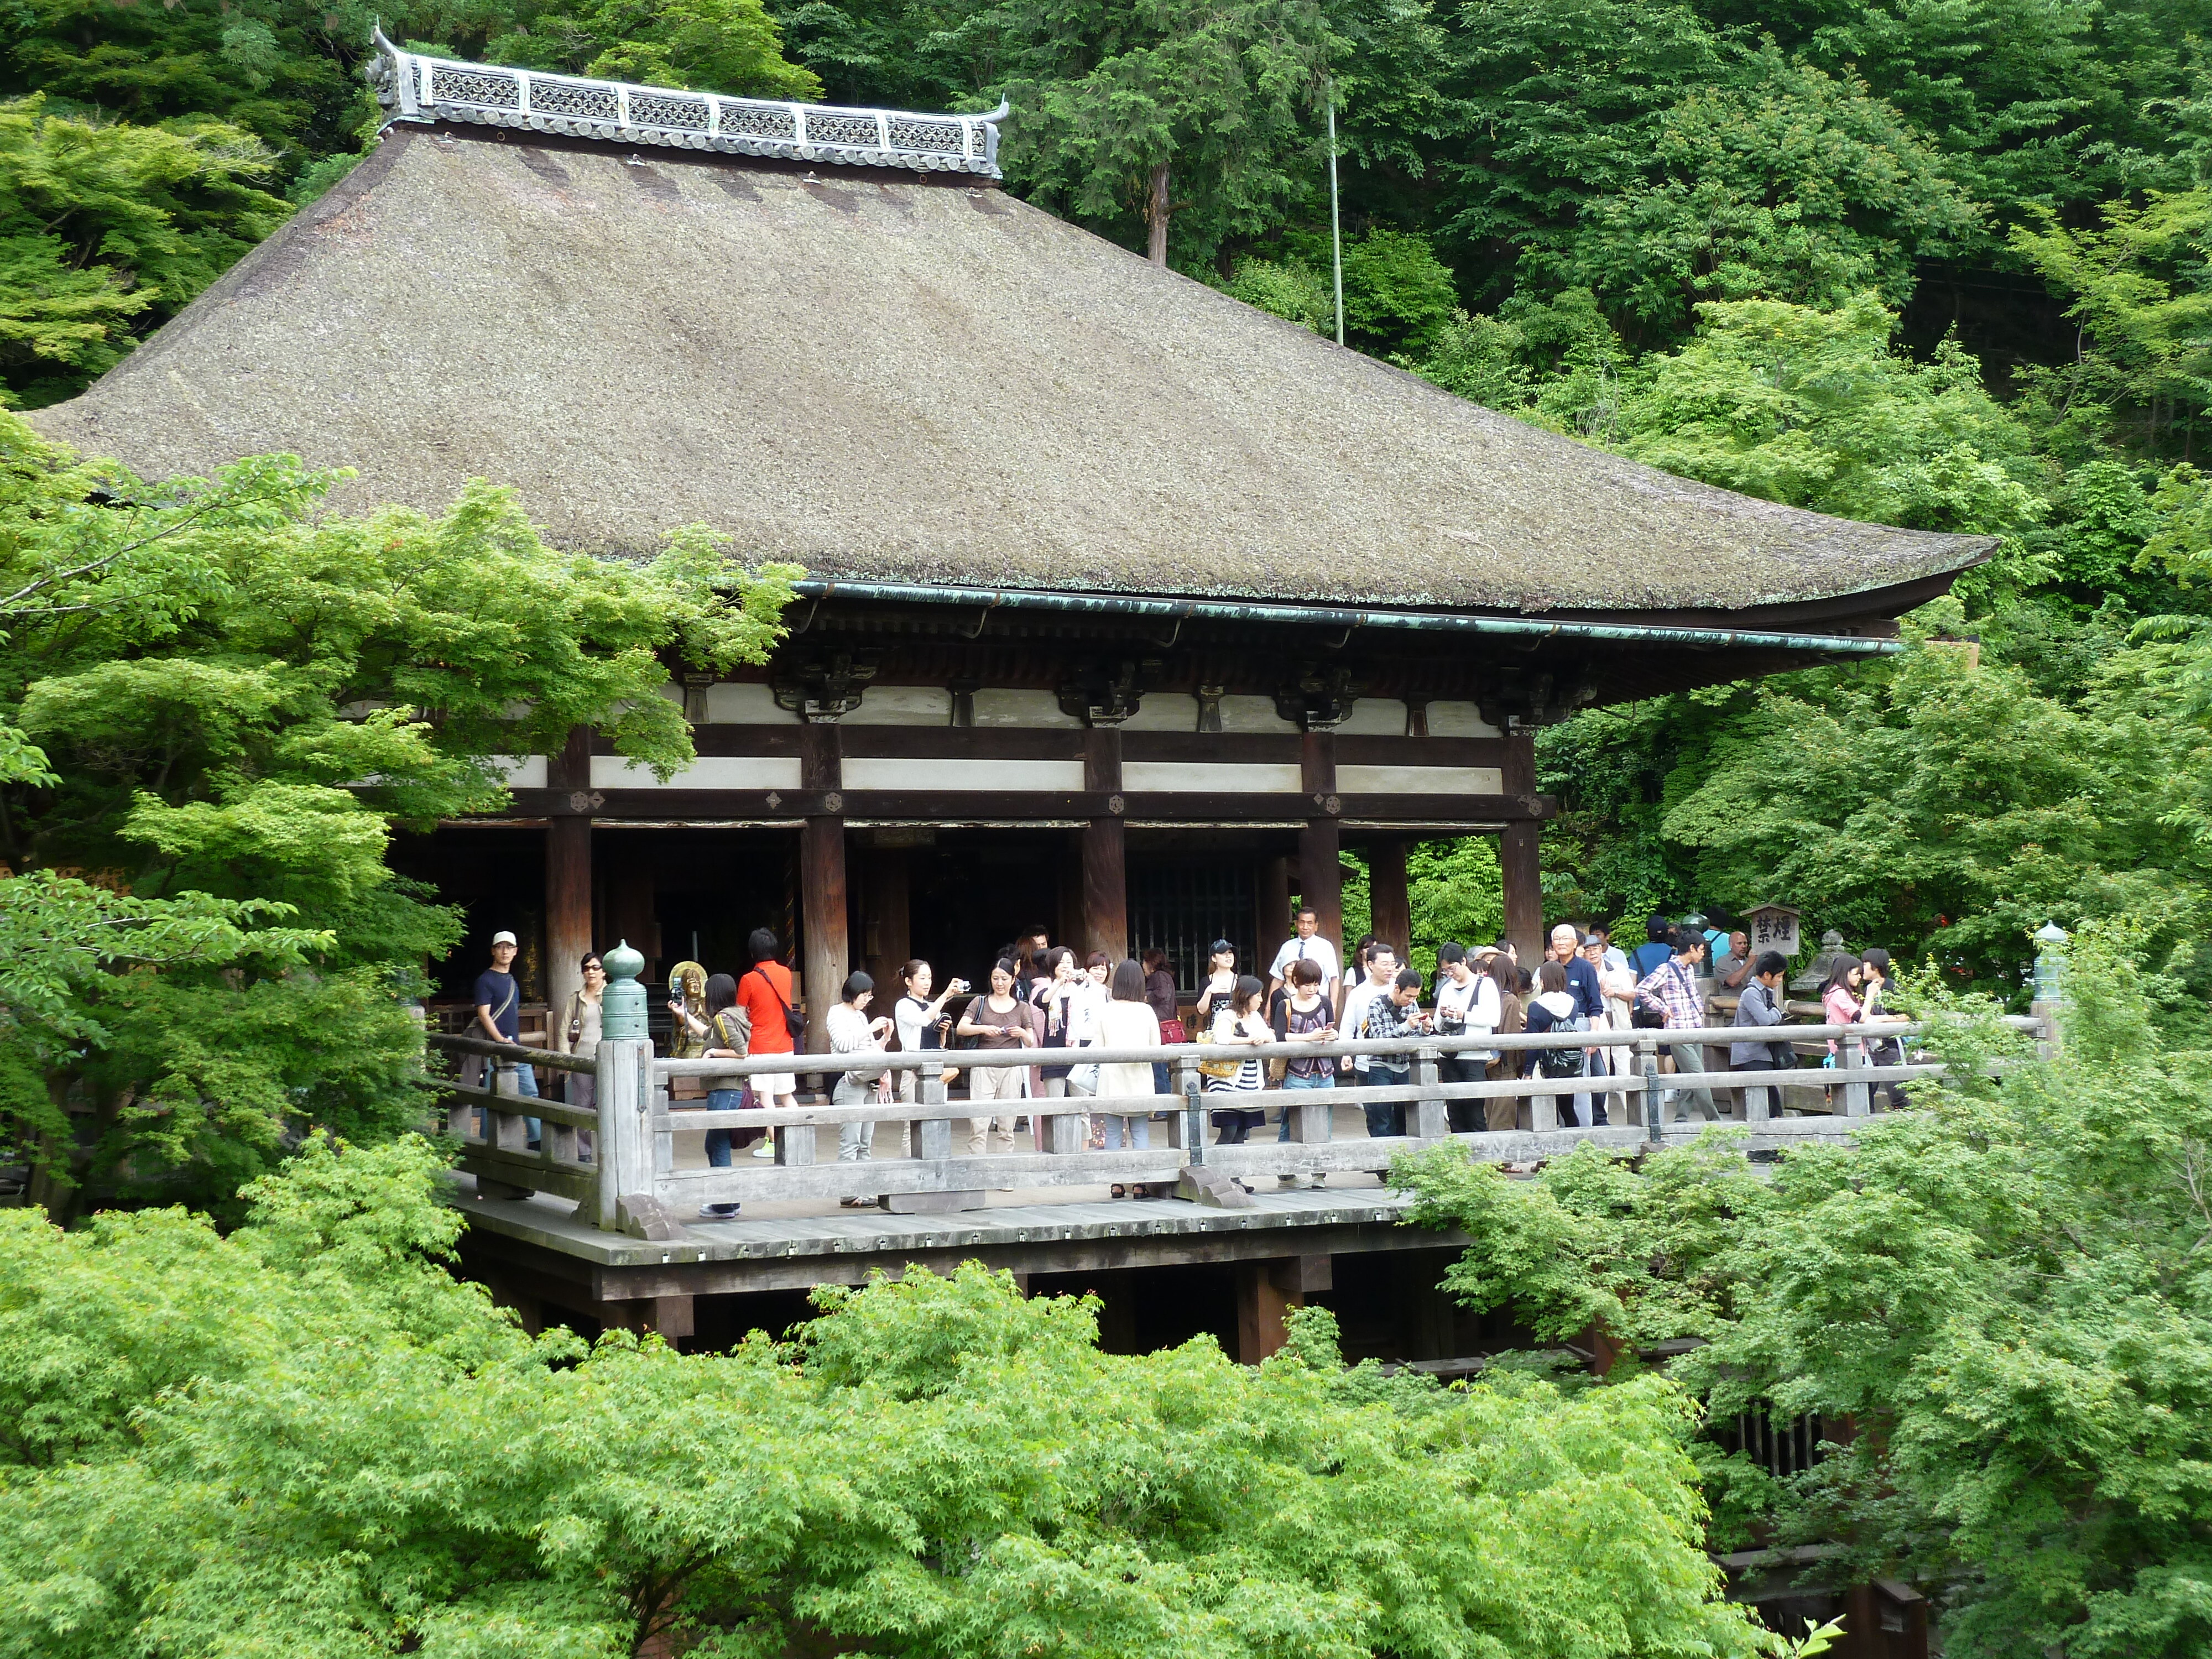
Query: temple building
{"points": [[1128, 609]]}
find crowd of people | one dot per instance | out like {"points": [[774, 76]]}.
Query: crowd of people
{"points": [[1044, 997]]}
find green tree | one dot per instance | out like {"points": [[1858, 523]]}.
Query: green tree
{"points": [[105, 231], [2000, 1292], [1166, 116], [1779, 182], [236, 701], [725, 45], [305, 1436]]}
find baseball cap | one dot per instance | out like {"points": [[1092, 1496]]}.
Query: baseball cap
{"points": [[503, 937]]}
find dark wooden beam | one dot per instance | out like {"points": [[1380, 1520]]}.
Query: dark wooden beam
{"points": [[1390, 904], [1069, 806], [822, 884], [1517, 856], [1105, 877], [1005, 743], [568, 872]]}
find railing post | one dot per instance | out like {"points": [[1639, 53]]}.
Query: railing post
{"points": [[1194, 1119], [933, 1136], [1757, 1103], [1543, 1109], [625, 1089], [1857, 1098], [1427, 1121], [794, 1144], [1647, 1063]]}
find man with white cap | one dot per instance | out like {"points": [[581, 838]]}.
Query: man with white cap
{"points": [[499, 1011]]}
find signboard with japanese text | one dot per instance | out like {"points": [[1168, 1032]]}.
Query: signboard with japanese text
{"points": [[1773, 927]]}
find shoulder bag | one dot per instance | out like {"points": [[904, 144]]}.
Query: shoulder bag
{"points": [[794, 1021]]}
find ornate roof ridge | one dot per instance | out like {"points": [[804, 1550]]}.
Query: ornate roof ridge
{"points": [[416, 88]]}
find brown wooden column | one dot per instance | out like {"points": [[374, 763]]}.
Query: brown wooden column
{"points": [[1271, 911], [1390, 904], [822, 901], [1517, 853], [1105, 865], [886, 910], [1266, 1292], [1321, 875], [568, 873]]}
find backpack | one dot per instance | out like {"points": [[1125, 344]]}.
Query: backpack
{"points": [[794, 1021]]}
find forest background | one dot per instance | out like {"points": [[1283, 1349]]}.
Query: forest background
{"points": [[1938, 265], [1943, 266]]}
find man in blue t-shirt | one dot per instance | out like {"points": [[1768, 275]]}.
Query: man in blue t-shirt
{"points": [[1657, 951], [499, 1011]]}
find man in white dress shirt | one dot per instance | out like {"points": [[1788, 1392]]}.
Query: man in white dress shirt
{"points": [[1307, 945]]}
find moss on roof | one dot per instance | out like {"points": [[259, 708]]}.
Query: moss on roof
{"points": [[906, 379]]}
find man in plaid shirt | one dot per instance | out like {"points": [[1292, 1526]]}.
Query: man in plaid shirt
{"points": [[1671, 989]]}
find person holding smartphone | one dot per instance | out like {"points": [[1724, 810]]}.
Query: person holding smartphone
{"points": [[1306, 1017], [921, 1019]]}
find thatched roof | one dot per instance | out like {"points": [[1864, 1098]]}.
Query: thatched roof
{"points": [[910, 379]]}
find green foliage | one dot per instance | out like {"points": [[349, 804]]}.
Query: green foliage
{"points": [[723, 45], [106, 229], [1781, 183], [2003, 1292], [308, 1431], [1219, 95], [221, 702]]}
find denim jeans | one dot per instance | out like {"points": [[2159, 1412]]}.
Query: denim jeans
{"points": [[525, 1084], [718, 1141], [1387, 1117], [1292, 1080], [1136, 1132]]}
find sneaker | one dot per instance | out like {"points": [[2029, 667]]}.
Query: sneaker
{"points": [[766, 1149], [717, 1211], [1318, 1181], [1286, 1181], [857, 1203]]}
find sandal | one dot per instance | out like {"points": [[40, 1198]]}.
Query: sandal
{"points": [[1117, 1191]]}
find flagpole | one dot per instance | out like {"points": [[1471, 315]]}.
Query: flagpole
{"points": [[1335, 219]]}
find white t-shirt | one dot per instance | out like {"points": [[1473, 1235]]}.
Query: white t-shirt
{"points": [[1316, 949], [1355, 1013], [912, 1017], [1476, 1005]]}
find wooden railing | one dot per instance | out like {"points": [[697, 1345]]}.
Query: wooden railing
{"points": [[617, 1160]]}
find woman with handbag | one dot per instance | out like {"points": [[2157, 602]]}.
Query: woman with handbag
{"points": [[998, 1021], [1126, 1021], [1503, 1111], [1241, 1022], [577, 1031], [725, 1033], [1160, 997]]}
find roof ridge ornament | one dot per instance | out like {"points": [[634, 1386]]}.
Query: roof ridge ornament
{"points": [[420, 89]]}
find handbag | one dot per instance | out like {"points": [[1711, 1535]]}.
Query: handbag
{"points": [[1171, 1031], [1084, 1079]]}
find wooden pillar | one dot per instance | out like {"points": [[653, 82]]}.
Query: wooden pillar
{"points": [[1271, 907], [887, 938], [822, 905], [1391, 905], [1261, 1304], [568, 874], [632, 913], [1517, 853], [1266, 1292], [1321, 875], [1105, 870]]}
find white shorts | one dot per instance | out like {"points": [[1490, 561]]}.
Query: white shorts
{"points": [[767, 1085]]}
